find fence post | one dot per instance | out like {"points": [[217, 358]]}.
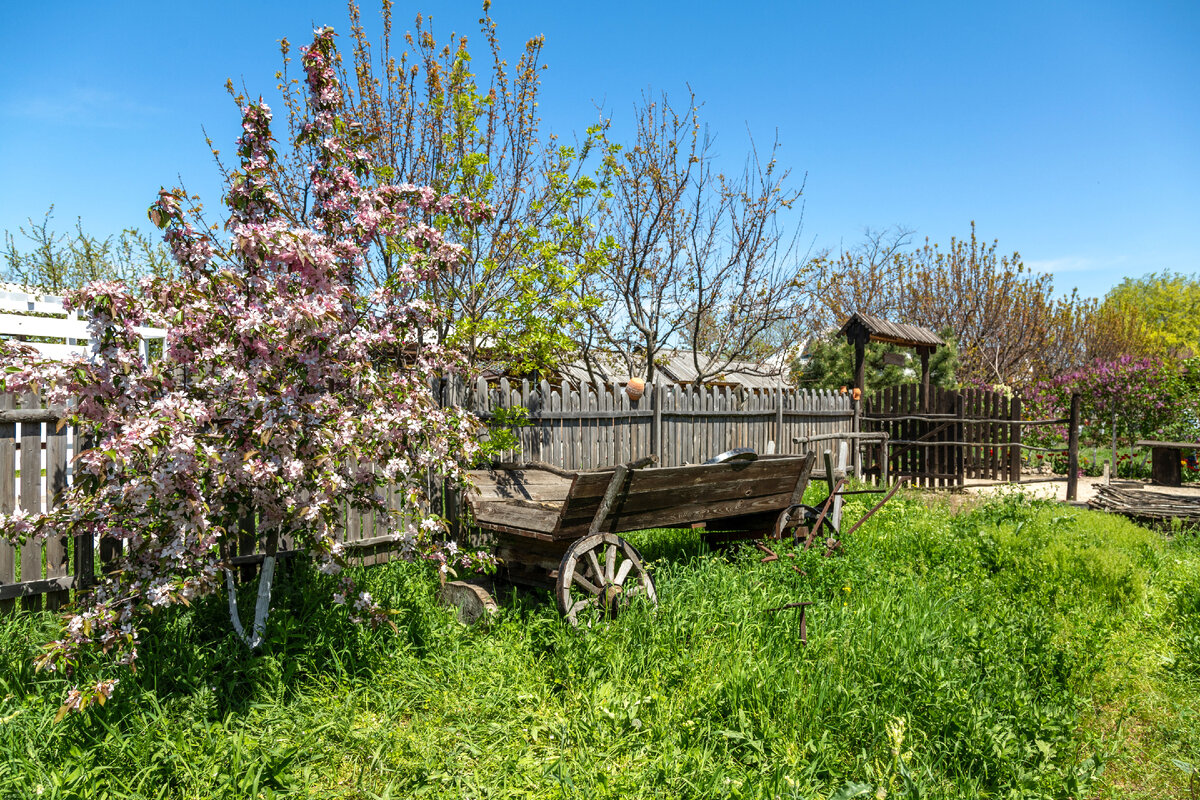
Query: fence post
{"points": [[856, 443], [8, 496], [30, 497], [57, 547], [1014, 438], [1112, 473], [448, 398], [656, 436], [247, 543], [1073, 450], [779, 446], [960, 432]]}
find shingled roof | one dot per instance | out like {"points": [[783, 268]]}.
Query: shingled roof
{"points": [[881, 330]]}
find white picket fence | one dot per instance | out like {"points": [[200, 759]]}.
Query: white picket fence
{"points": [[68, 332]]}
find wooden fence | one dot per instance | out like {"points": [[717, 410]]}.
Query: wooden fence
{"points": [[946, 437], [572, 427], [949, 437], [595, 426], [33, 472], [35, 468]]}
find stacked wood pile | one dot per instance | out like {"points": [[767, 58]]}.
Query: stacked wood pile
{"points": [[1145, 505]]}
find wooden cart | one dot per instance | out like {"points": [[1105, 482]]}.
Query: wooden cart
{"points": [[560, 529]]}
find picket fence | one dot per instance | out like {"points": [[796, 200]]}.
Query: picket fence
{"points": [[589, 426], [42, 322]]}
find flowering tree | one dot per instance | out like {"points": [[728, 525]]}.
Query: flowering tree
{"points": [[281, 396], [466, 121], [1126, 398]]}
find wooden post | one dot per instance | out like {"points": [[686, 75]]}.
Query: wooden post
{"points": [[1014, 438], [656, 423], [960, 430], [8, 496], [779, 443], [247, 544], [57, 547], [925, 351], [1073, 450], [835, 514], [615, 486], [85, 546], [856, 427], [30, 498], [860, 361], [1113, 472]]}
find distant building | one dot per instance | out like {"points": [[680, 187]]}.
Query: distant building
{"points": [[678, 367]]}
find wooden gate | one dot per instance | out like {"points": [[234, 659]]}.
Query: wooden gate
{"points": [[947, 437]]}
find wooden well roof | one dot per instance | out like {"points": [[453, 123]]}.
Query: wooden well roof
{"points": [[882, 330]]}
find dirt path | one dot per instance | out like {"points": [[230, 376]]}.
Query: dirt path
{"points": [[1057, 489]]}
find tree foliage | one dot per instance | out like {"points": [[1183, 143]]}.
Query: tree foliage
{"points": [[55, 263], [829, 364], [1135, 398], [427, 116], [692, 255], [1012, 326], [1165, 307]]}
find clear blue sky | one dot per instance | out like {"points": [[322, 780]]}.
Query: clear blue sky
{"points": [[1069, 131]]}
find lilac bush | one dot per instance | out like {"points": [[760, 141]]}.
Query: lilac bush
{"points": [[281, 396], [1142, 397]]}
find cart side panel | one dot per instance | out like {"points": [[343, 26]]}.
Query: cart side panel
{"points": [[680, 515], [519, 484], [684, 495], [704, 491], [542, 518], [650, 500]]}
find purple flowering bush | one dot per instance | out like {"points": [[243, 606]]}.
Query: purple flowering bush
{"points": [[1139, 398], [282, 393]]}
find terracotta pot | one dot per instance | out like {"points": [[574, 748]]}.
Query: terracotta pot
{"points": [[635, 388]]}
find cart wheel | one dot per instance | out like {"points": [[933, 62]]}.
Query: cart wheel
{"points": [[598, 576]]}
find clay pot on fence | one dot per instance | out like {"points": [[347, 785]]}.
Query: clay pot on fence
{"points": [[635, 388]]}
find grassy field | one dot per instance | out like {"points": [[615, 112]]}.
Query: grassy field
{"points": [[1009, 650]]}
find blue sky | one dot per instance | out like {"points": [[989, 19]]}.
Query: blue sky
{"points": [[1069, 131]]}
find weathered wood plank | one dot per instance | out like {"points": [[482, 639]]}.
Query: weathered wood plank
{"points": [[511, 515], [31, 498], [8, 496], [30, 415], [529, 484], [34, 589], [683, 513], [647, 500], [58, 559]]}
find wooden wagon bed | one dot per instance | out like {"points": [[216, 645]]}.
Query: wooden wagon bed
{"points": [[543, 503], [551, 527]]}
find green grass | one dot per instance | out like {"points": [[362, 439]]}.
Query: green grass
{"points": [[1015, 649]]}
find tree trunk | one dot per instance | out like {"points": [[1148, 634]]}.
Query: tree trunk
{"points": [[262, 605]]}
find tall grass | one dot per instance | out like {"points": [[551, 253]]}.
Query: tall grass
{"points": [[1006, 651]]}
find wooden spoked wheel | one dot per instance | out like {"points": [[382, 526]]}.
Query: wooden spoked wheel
{"points": [[598, 576]]}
